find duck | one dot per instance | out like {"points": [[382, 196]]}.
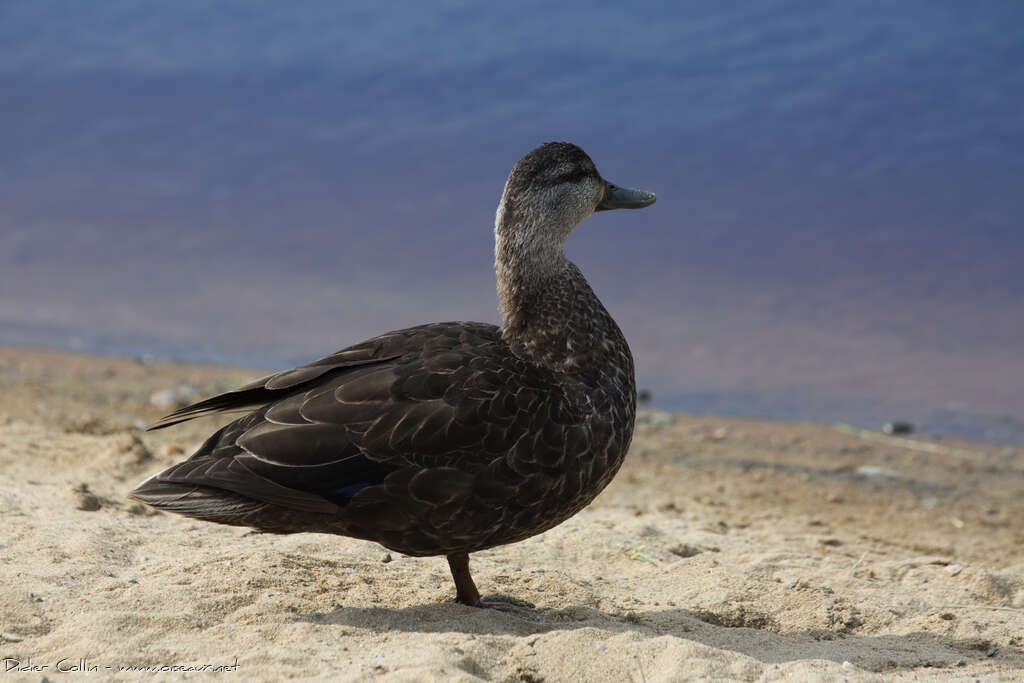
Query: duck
{"points": [[446, 438]]}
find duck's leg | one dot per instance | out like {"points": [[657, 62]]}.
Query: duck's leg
{"points": [[465, 589], [467, 593]]}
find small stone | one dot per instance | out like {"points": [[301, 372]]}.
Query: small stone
{"points": [[136, 448], [164, 399], [685, 550], [167, 399], [954, 569], [897, 427], [876, 471], [173, 449], [87, 500], [386, 558], [12, 637]]}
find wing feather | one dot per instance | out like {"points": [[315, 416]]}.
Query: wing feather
{"points": [[424, 410], [259, 392]]}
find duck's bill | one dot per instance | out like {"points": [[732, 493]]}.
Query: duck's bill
{"points": [[616, 197]]}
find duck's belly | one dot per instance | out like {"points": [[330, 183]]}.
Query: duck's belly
{"points": [[515, 498]]}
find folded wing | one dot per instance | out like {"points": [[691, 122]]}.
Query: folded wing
{"points": [[438, 398]]}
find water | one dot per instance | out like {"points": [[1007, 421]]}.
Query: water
{"points": [[837, 237]]}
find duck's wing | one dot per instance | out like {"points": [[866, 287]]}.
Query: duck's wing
{"points": [[271, 387], [437, 402]]}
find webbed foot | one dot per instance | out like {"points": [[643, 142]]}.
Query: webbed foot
{"points": [[467, 594]]}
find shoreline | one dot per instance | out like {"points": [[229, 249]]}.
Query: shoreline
{"points": [[1012, 437]]}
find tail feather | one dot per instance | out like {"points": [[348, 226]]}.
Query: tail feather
{"points": [[241, 400], [200, 502]]}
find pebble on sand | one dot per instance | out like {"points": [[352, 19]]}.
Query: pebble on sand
{"points": [[167, 399], [87, 500], [897, 427]]}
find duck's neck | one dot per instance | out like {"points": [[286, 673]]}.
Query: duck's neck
{"points": [[549, 313], [528, 289]]}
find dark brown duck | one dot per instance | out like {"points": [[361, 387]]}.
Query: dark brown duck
{"points": [[446, 438]]}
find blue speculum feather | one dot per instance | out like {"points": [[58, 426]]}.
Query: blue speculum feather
{"points": [[351, 489]]}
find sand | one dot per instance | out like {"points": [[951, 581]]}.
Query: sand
{"points": [[726, 549]]}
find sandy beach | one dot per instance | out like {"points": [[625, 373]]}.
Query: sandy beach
{"points": [[726, 549]]}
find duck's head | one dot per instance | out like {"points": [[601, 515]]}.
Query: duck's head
{"points": [[553, 189]]}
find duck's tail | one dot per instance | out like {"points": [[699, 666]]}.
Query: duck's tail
{"points": [[201, 502]]}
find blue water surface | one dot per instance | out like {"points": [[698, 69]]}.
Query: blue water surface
{"points": [[838, 234]]}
